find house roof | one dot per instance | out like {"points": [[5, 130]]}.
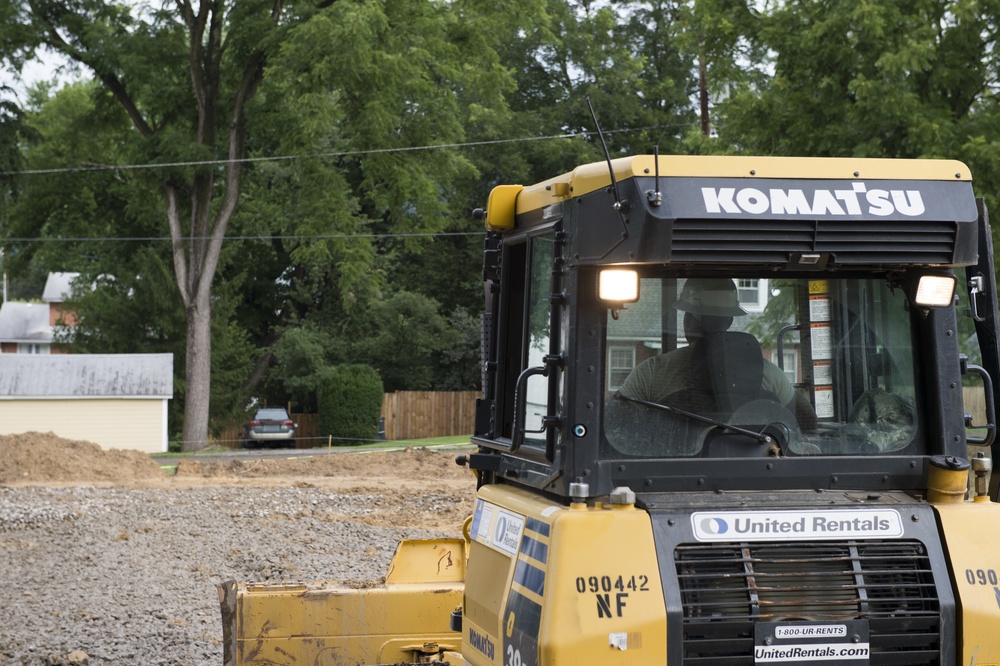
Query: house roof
{"points": [[25, 322], [86, 375], [58, 287]]}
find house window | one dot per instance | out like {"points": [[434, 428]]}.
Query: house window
{"points": [[749, 291], [752, 294], [32, 348], [621, 360], [790, 360]]}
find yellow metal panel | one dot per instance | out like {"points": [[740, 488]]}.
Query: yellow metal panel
{"points": [[427, 560], [969, 531], [485, 592], [500, 207], [606, 605], [319, 623], [592, 177], [602, 600], [366, 623]]}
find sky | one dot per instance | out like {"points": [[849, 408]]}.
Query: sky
{"points": [[43, 69]]}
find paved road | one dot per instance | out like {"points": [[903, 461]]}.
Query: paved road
{"points": [[266, 454]]}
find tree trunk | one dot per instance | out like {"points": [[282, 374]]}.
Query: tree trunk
{"points": [[197, 374]]}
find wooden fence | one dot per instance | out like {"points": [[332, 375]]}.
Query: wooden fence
{"points": [[406, 415], [418, 414], [975, 403]]}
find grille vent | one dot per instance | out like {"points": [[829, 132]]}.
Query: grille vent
{"points": [[851, 243], [726, 588]]}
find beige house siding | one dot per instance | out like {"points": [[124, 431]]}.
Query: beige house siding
{"points": [[114, 423]]}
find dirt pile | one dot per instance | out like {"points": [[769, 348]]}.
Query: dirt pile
{"points": [[35, 457]]}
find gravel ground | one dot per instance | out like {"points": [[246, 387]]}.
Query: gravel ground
{"points": [[127, 575]]}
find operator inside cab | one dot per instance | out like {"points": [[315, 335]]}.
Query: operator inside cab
{"points": [[718, 373]]}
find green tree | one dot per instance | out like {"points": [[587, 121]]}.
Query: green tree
{"points": [[909, 79], [877, 79], [301, 355], [350, 403], [205, 85], [183, 77], [73, 131], [408, 335]]}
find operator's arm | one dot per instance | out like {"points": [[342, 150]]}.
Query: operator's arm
{"points": [[804, 412], [638, 384], [777, 383]]}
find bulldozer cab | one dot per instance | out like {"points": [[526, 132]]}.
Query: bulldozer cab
{"points": [[826, 350]]}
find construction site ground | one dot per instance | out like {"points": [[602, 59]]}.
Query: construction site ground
{"points": [[107, 558]]}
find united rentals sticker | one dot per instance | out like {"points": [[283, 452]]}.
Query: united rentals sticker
{"points": [[497, 528], [844, 643], [796, 525]]}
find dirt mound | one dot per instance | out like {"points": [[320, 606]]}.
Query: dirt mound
{"points": [[35, 457], [418, 463]]}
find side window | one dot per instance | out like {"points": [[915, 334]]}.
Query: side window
{"points": [[539, 291]]}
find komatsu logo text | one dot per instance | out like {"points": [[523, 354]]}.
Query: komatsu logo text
{"points": [[857, 200], [482, 643]]}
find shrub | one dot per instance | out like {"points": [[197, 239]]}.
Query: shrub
{"points": [[350, 403]]}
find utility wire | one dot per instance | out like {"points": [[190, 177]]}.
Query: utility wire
{"points": [[329, 155], [149, 239]]}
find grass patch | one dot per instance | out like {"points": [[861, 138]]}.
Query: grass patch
{"points": [[452, 440], [215, 450]]}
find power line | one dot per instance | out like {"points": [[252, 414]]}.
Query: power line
{"points": [[325, 155], [150, 239]]}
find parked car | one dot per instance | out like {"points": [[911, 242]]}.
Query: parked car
{"points": [[271, 426]]}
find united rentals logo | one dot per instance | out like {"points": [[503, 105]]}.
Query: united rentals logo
{"points": [[714, 526], [856, 201], [796, 525]]}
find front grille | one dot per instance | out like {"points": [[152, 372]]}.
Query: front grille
{"points": [[725, 589], [850, 243]]}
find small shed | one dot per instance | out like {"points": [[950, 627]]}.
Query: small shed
{"points": [[118, 401]]}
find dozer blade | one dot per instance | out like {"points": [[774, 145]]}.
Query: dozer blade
{"points": [[404, 619]]}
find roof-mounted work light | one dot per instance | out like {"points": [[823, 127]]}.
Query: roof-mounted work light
{"points": [[618, 285], [935, 291]]}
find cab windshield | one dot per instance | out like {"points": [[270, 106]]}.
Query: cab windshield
{"points": [[744, 366]]}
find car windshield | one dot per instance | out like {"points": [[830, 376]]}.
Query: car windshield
{"points": [[711, 366]]}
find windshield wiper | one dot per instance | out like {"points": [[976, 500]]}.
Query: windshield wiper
{"points": [[769, 434]]}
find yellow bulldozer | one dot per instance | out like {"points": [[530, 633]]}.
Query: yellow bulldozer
{"points": [[727, 419]]}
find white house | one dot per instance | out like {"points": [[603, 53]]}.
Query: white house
{"points": [[26, 328], [115, 400]]}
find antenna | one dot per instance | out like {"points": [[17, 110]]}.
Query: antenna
{"points": [[655, 196], [620, 206]]}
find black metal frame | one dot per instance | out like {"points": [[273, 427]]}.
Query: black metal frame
{"points": [[575, 452]]}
